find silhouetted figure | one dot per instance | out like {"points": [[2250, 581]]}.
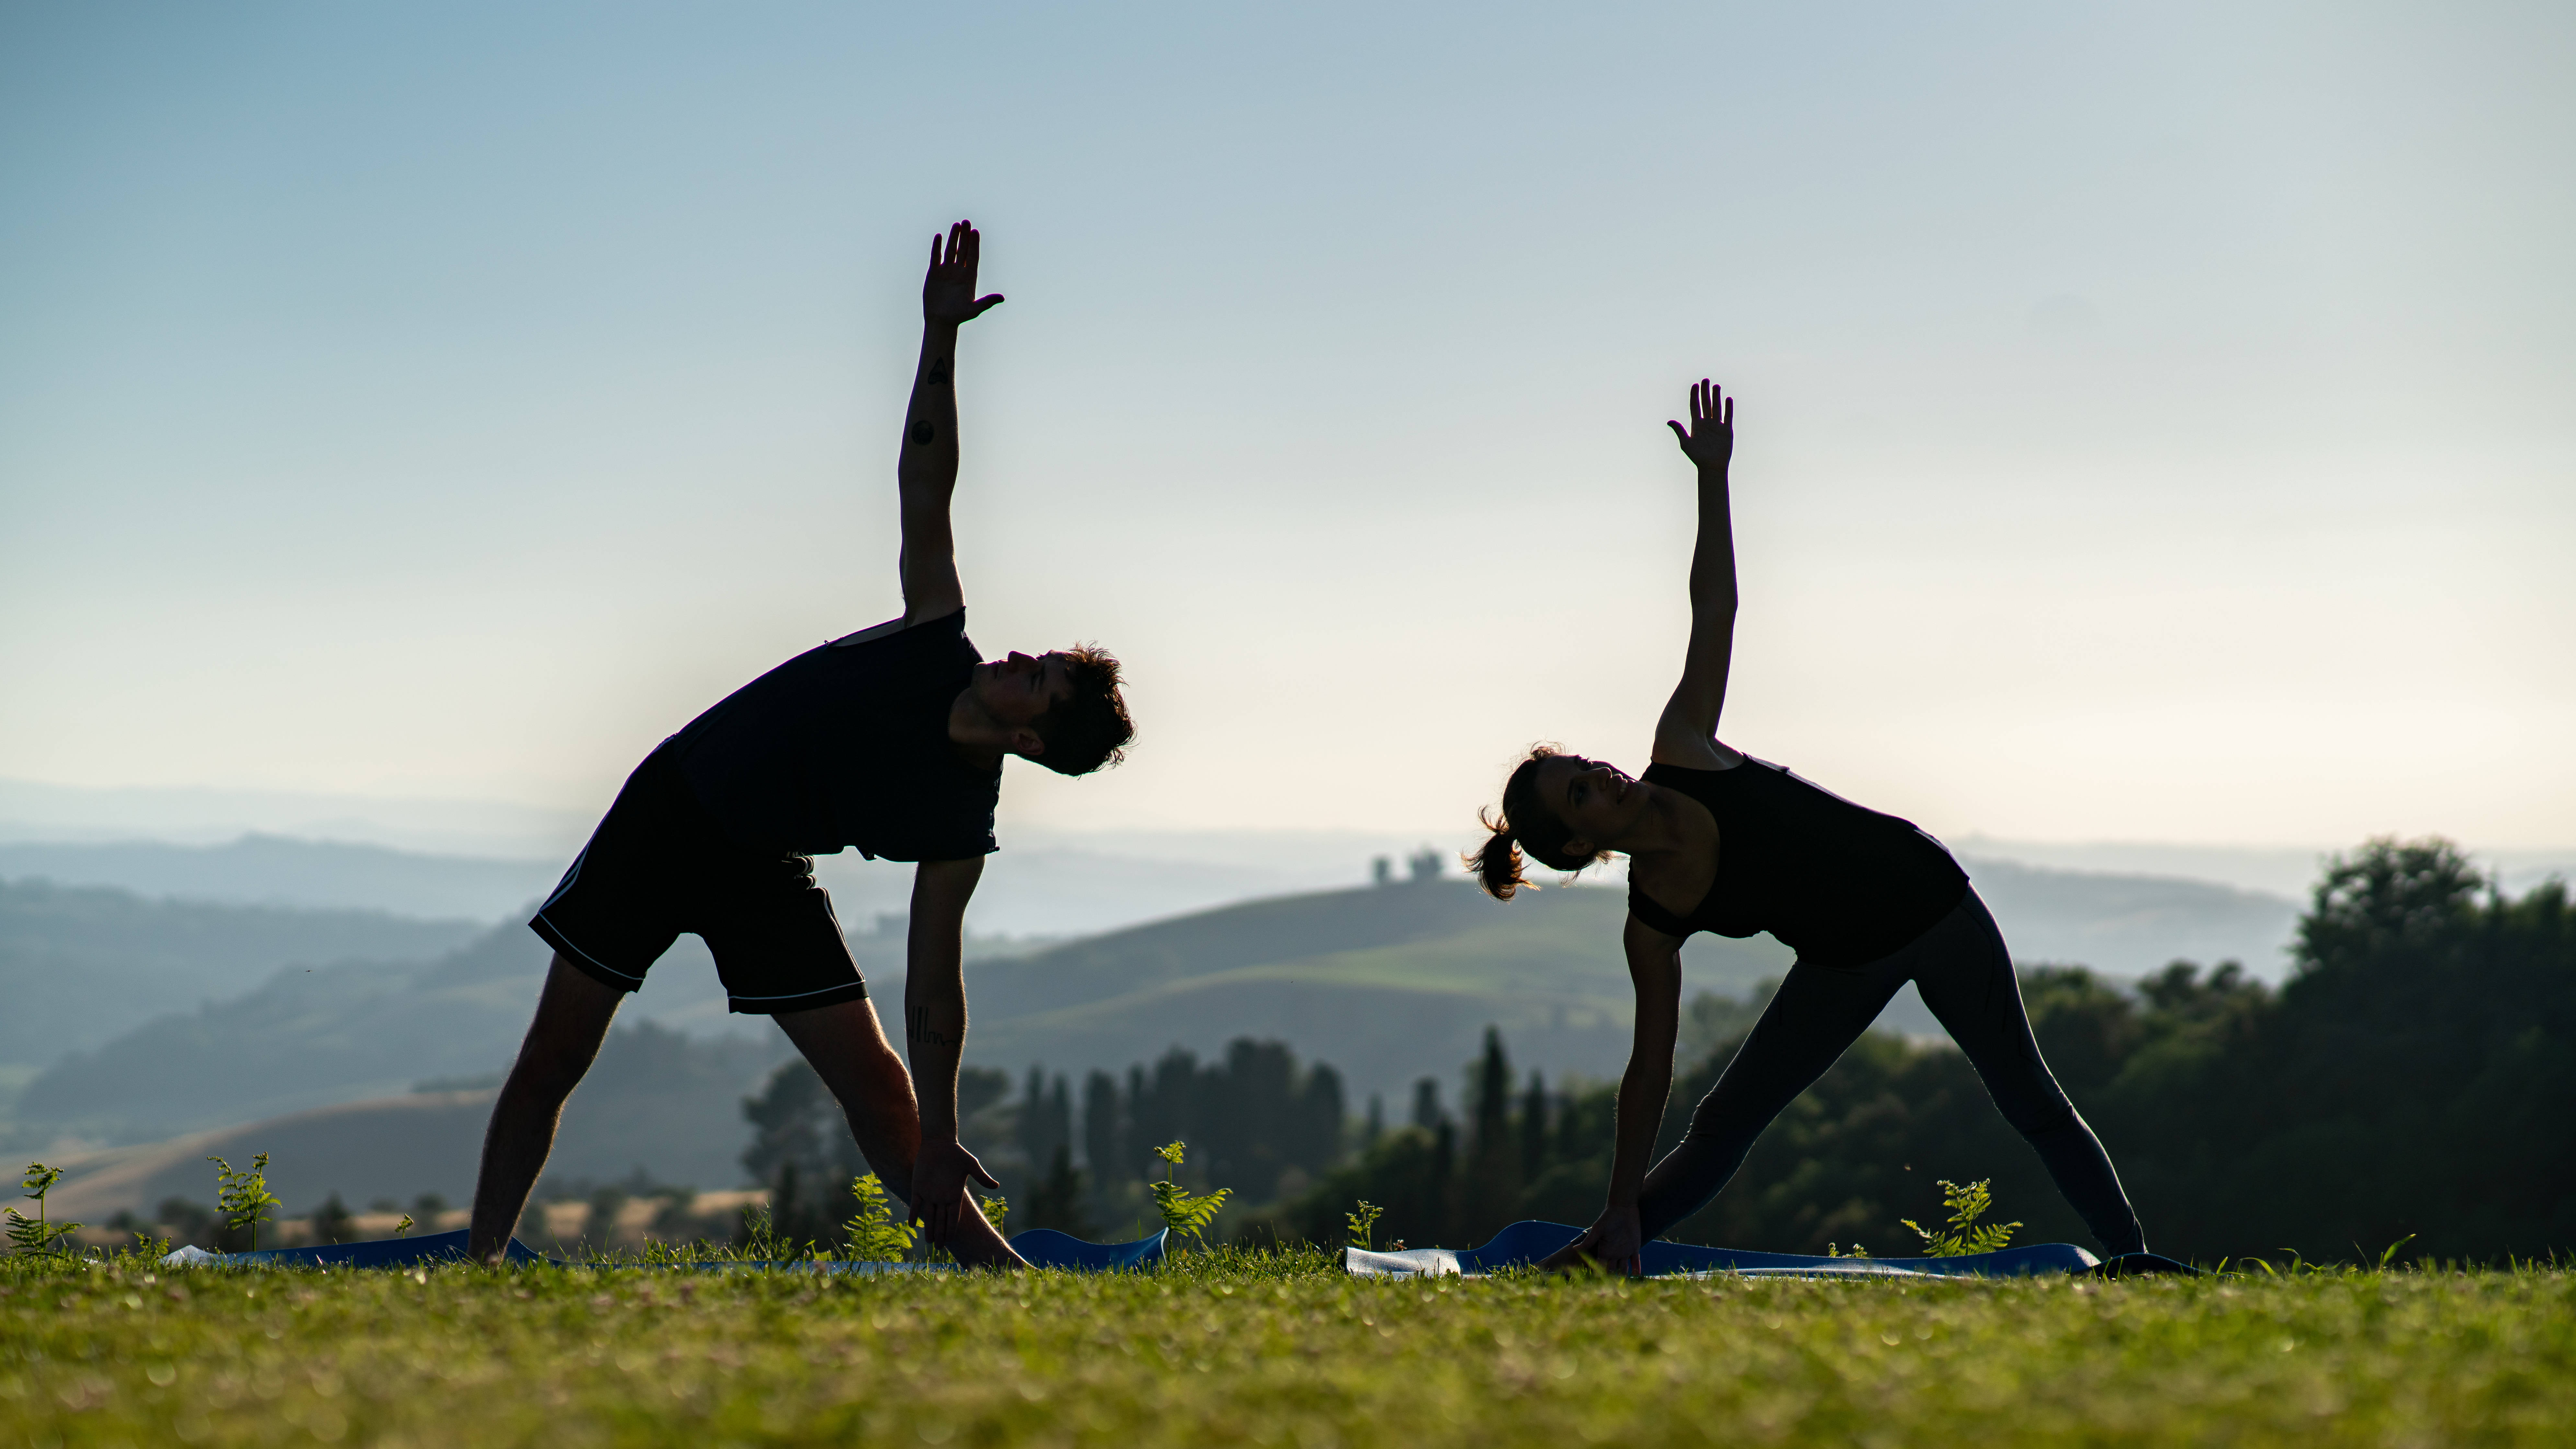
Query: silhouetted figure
{"points": [[890, 740], [1719, 841]]}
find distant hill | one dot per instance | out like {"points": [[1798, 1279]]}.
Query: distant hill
{"points": [[2129, 925], [308, 1038], [332, 1034], [1386, 983], [655, 1100], [1032, 889], [275, 870], [81, 965]]}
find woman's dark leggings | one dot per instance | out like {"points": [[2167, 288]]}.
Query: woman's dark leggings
{"points": [[1967, 979]]}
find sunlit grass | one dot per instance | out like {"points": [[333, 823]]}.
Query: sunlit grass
{"points": [[1237, 1347]]}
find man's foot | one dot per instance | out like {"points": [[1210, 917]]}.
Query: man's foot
{"points": [[2143, 1265]]}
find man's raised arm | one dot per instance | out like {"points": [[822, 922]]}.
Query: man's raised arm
{"points": [[926, 473]]}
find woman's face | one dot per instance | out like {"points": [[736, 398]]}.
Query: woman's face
{"points": [[1599, 804]]}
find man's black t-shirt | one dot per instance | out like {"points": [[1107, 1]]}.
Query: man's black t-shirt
{"points": [[847, 745]]}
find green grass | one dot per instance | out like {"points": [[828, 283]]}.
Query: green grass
{"points": [[1241, 1348]]}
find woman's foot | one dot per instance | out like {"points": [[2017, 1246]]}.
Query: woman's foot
{"points": [[2143, 1265]]}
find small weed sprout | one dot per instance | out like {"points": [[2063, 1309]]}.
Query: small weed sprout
{"points": [[242, 1199], [1182, 1210], [874, 1233], [660, 1254], [1857, 1250], [761, 1242], [996, 1209], [404, 1226], [1362, 1223], [1966, 1205], [36, 1234]]}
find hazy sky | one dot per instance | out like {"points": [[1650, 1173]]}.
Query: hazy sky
{"points": [[2154, 424]]}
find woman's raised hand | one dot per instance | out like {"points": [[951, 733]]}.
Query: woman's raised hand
{"points": [[1709, 441], [948, 293]]}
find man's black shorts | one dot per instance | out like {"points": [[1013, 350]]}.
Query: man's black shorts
{"points": [[659, 865]]}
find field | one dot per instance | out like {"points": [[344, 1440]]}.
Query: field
{"points": [[1287, 1351]]}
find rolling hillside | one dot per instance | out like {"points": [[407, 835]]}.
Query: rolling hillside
{"points": [[82, 965], [1386, 983], [272, 870], [309, 1038], [655, 1100], [2129, 925]]}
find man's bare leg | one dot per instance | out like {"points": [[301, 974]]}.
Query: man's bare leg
{"points": [[848, 1049], [572, 1020]]}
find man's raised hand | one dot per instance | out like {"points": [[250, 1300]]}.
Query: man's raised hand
{"points": [[948, 293], [1709, 441]]}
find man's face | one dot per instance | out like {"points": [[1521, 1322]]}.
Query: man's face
{"points": [[1015, 689]]}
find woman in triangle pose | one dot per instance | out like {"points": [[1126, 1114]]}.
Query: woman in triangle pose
{"points": [[1719, 841]]}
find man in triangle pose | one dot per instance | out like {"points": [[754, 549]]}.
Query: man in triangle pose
{"points": [[890, 740]]}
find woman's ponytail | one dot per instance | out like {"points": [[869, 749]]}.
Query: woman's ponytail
{"points": [[1497, 864]]}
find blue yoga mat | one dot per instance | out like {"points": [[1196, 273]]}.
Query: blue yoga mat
{"points": [[1047, 1248], [1529, 1241], [1043, 1247], [382, 1253]]}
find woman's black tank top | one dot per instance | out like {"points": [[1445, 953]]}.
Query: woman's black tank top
{"points": [[1836, 883]]}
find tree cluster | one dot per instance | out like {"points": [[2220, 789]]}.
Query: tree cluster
{"points": [[1257, 1124]]}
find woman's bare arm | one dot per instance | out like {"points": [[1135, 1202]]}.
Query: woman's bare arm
{"points": [[1687, 732], [1655, 968]]}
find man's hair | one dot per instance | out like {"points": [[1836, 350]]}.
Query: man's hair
{"points": [[1089, 727]]}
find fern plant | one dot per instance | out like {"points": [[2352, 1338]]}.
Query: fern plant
{"points": [[1362, 1223], [242, 1199], [1184, 1211], [1964, 1235], [875, 1234], [36, 1234]]}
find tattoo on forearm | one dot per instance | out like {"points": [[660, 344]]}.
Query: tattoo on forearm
{"points": [[938, 371], [916, 1028], [923, 432]]}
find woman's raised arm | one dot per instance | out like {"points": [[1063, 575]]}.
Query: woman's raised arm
{"points": [[1687, 733]]}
